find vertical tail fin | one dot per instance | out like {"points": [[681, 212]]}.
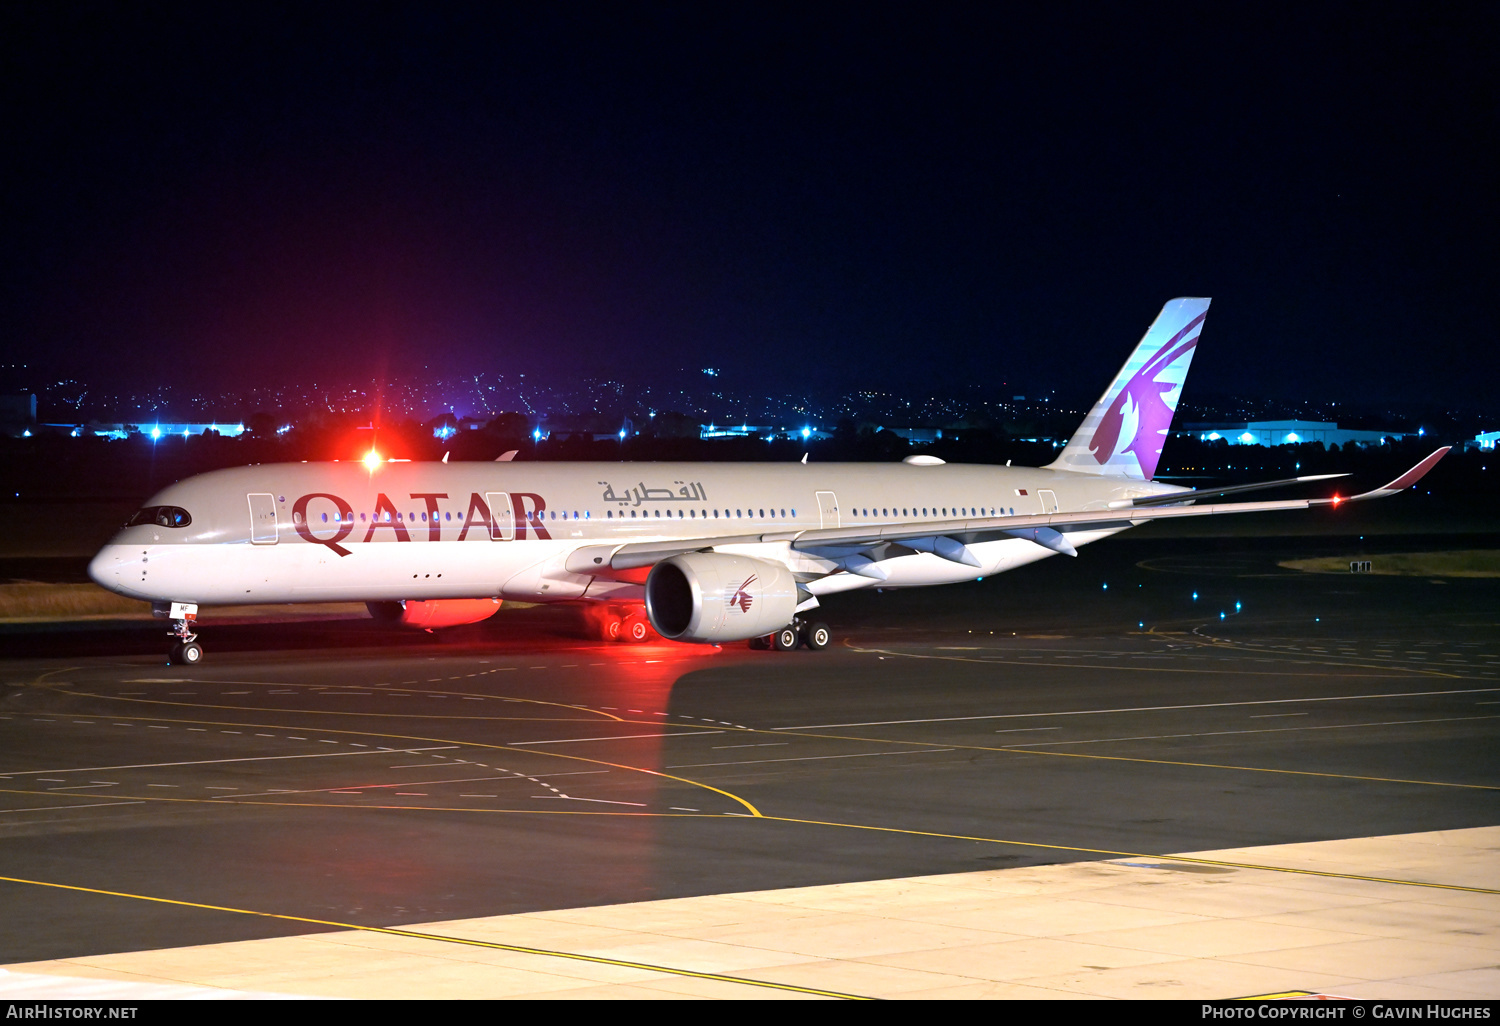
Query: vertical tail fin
{"points": [[1123, 434]]}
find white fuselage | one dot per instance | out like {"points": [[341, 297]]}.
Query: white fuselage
{"points": [[320, 532]]}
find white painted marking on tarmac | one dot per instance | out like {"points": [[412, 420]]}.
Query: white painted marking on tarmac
{"points": [[618, 737], [362, 788], [1264, 730], [214, 762], [69, 808], [810, 758], [1144, 708], [570, 773]]}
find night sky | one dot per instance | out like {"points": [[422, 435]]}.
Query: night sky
{"points": [[816, 198]]}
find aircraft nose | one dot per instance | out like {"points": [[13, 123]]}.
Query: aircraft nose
{"points": [[104, 568]]}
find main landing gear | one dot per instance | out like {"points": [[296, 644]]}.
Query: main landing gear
{"points": [[816, 636], [624, 623]]}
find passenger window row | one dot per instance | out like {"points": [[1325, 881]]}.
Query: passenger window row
{"points": [[737, 514], [931, 511], [173, 516]]}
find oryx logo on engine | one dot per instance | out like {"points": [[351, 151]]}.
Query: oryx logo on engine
{"points": [[741, 597]]}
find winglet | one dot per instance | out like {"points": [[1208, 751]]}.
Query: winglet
{"points": [[1401, 483]]}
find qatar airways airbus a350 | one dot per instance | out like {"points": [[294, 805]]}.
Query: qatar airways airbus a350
{"points": [[703, 552]]}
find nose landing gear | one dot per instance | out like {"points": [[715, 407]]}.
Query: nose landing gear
{"points": [[185, 653], [185, 650]]}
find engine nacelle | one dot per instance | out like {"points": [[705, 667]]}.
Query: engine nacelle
{"points": [[714, 596], [430, 614]]}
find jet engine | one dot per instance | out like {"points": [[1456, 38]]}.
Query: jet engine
{"points": [[714, 596], [430, 614]]}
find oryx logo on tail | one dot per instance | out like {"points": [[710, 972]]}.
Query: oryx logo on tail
{"points": [[1139, 418], [1123, 434], [743, 598]]}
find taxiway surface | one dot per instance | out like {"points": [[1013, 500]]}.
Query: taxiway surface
{"points": [[1140, 700]]}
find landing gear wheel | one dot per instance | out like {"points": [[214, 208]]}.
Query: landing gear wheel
{"points": [[785, 639], [817, 636], [636, 630], [185, 650], [760, 644], [612, 628], [189, 653]]}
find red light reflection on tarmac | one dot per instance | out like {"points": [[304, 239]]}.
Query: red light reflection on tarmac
{"points": [[641, 678], [635, 683]]}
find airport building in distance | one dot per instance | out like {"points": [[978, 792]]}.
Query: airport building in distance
{"points": [[1290, 432]]}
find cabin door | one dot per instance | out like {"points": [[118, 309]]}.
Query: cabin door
{"points": [[502, 521], [828, 510], [262, 518]]}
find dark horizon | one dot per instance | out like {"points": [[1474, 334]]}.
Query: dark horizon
{"points": [[822, 200]]}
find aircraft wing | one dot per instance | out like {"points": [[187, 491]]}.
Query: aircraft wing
{"points": [[1214, 493], [948, 538]]}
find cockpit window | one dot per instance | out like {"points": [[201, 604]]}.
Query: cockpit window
{"points": [[161, 516]]}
